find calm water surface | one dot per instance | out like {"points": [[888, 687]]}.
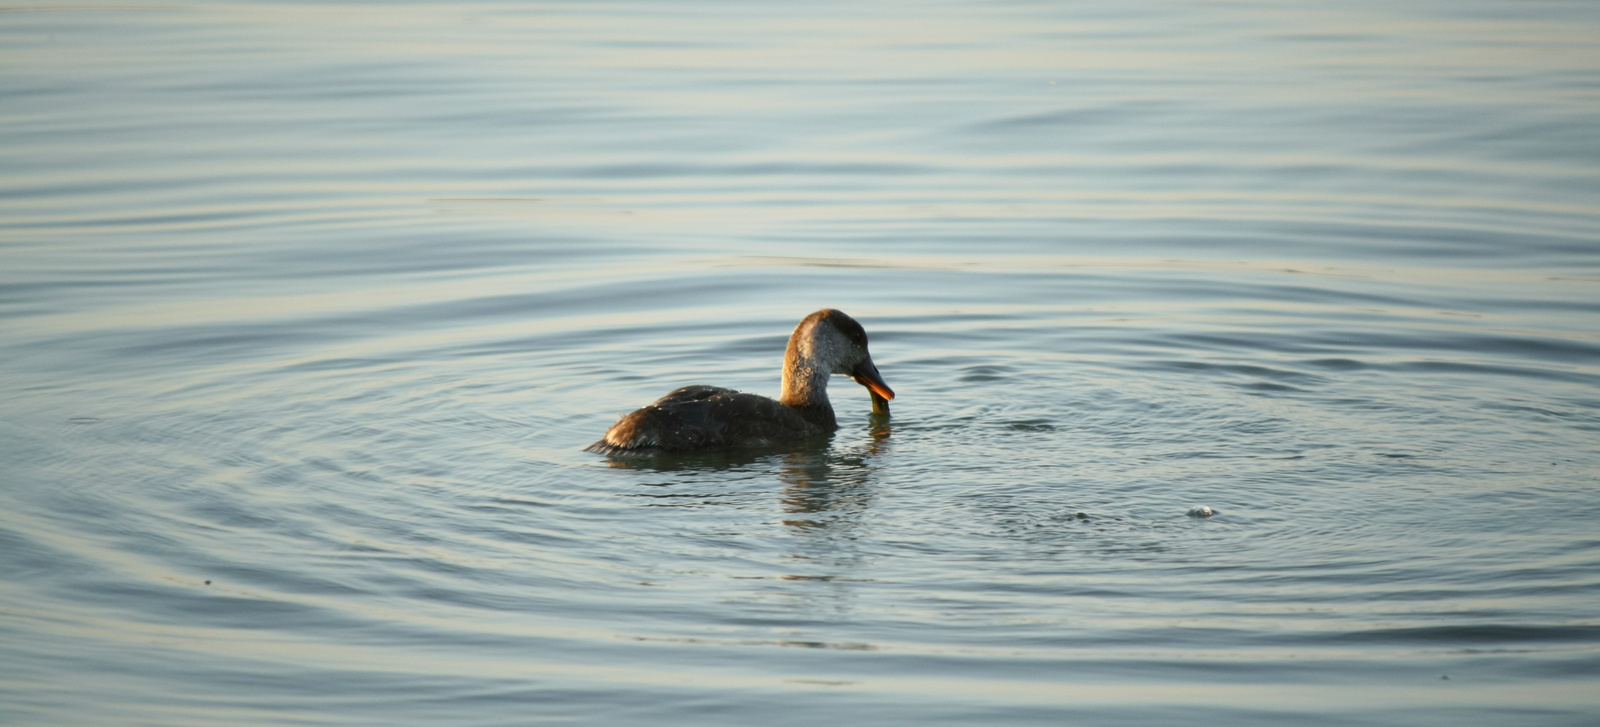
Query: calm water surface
{"points": [[306, 311]]}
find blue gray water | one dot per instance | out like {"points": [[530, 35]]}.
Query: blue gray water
{"points": [[307, 310]]}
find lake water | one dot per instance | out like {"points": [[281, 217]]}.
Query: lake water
{"points": [[307, 310]]}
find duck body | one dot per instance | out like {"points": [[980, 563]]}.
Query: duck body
{"points": [[699, 418], [708, 417]]}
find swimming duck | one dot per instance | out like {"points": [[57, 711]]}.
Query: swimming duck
{"points": [[709, 417]]}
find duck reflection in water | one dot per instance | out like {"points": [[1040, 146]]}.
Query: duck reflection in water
{"points": [[824, 485], [825, 492]]}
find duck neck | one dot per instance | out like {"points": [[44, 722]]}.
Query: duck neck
{"points": [[805, 388]]}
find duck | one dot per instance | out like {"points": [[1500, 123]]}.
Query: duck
{"points": [[703, 418]]}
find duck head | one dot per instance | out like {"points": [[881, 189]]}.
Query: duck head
{"points": [[828, 342]]}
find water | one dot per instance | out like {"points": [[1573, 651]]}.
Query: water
{"points": [[307, 310]]}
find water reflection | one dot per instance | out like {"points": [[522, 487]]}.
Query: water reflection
{"points": [[827, 495], [826, 485], [716, 460], [824, 491], [830, 489]]}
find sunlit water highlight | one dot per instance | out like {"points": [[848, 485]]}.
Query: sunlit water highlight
{"points": [[306, 312]]}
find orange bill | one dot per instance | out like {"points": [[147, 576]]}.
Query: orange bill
{"points": [[867, 375]]}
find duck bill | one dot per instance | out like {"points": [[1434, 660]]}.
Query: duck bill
{"points": [[867, 375]]}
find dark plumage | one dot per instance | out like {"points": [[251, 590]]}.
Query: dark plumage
{"points": [[697, 418]]}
